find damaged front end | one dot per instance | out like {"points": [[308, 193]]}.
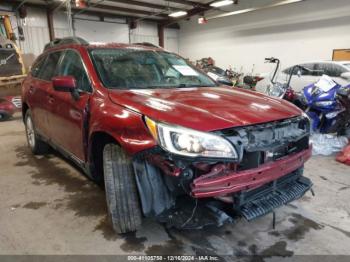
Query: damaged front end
{"points": [[191, 192]]}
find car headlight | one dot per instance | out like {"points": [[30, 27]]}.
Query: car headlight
{"points": [[187, 142], [277, 90]]}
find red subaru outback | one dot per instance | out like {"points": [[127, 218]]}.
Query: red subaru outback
{"points": [[165, 139]]}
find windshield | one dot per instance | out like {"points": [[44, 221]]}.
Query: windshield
{"points": [[139, 69]]}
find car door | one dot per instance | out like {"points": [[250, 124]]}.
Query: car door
{"points": [[39, 89], [68, 114]]}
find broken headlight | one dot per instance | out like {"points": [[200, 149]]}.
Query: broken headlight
{"points": [[188, 142]]}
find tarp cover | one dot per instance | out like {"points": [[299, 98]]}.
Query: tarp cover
{"points": [[344, 156]]}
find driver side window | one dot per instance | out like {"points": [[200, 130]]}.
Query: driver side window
{"points": [[72, 65]]}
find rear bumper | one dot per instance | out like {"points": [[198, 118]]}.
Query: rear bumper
{"points": [[233, 182]]}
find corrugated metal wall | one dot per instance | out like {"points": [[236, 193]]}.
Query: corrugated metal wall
{"points": [[171, 40], [112, 30], [145, 32], [35, 31], [96, 31]]}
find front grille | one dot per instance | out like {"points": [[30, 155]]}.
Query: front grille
{"points": [[258, 144], [9, 62], [17, 102]]}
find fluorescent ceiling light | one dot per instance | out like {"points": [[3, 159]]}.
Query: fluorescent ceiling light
{"points": [[178, 14], [280, 3], [221, 3]]}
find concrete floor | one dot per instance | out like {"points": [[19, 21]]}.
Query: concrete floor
{"points": [[48, 207]]}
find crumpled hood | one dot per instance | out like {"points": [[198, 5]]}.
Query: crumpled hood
{"points": [[205, 109]]}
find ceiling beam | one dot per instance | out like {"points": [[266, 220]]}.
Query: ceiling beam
{"points": [[97, 12], [121, 9], [145, 4], [192, 12], [188, 2]]}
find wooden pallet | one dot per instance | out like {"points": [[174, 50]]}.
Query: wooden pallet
{"points": [[11, 86]]}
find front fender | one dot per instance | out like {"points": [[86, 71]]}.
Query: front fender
{"points": [[125, 126]]}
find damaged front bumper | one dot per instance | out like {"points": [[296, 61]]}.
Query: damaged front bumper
{"points": [[268, 174], [256, 203], [221, 182], [195, 214]]}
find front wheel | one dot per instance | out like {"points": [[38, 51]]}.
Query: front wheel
{"points": [[121, 190]]}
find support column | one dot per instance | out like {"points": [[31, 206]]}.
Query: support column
{"points": [[161, 35], [49, 14]]}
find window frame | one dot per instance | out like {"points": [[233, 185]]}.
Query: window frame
{"points": [[84, 66], [58, 63], [90, 50], [41, 59]]}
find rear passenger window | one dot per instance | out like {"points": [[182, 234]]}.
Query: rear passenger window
{"points": [[37, 66], [50, 66]]}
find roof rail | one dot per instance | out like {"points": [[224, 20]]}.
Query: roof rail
{"points": [[147, 44], [64, 41]]}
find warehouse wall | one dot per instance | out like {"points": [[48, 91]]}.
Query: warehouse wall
{"points": [[294, 33], [111, 30]]}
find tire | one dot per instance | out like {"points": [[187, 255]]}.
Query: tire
{"points": [[4, 116], [345, 131], [36, 145], [121, 191]]}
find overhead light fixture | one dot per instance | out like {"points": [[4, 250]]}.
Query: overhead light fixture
{"points": [[178, 14], [242, 11], [221, 3]]}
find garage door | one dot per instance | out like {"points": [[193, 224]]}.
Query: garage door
{"points": [[94, 31]]}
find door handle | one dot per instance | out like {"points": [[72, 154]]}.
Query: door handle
{"points": [[31, 90], [51, 99]]}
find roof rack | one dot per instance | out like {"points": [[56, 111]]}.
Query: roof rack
{"points": [[64, 41], [147, 44]]}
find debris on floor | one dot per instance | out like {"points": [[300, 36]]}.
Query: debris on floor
{"points": [[190, 214], [327, 144], [344, 156]]}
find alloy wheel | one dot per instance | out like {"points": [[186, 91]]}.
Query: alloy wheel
{"points": [[30, 132]]}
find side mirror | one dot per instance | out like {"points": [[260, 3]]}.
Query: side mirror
{"points": [[299, 73], [66, 84], [345, 75]]}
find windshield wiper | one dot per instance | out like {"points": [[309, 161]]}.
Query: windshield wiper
{"points": [[184, 85]]}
